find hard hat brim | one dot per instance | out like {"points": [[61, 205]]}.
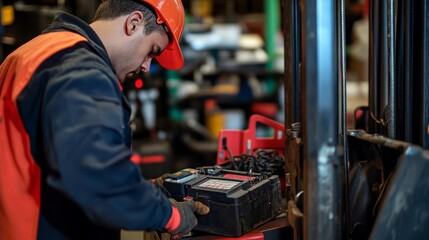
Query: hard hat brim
{"points": [[171, 58]]}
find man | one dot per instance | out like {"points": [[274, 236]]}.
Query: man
{"points": [[65, 141]]}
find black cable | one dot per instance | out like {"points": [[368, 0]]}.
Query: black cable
{"points": [[265, 162], [225, 147]]}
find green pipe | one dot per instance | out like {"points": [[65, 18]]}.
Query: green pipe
{"points": [[272, 26], [173, 81]]}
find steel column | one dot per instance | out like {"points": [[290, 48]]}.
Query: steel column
{"points": [[322, 166], [292, 29], [342, 73], [425, 75]]}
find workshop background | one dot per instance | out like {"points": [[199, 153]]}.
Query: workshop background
{"points": [[234, 68]]}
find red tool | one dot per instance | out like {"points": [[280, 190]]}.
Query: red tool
{"points": [[236, 142]]}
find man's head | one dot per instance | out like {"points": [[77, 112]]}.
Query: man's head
{"points": [[159, 20]]}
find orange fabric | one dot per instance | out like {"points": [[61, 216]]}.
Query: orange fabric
{"points": [[20, 175], [174, 221]]}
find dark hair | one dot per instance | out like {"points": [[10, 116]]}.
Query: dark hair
{"points": [[111, 9]]}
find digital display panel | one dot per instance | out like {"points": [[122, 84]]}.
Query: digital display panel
{"points": [[219, 184]]}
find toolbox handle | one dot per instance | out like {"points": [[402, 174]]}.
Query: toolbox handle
{"points": [[254, 142], [235, 142], [278, 127]]}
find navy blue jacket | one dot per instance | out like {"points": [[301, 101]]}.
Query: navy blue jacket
{"points": [[77, 119]]}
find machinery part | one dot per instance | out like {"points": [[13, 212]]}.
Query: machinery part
{"points": [[404, 212]]}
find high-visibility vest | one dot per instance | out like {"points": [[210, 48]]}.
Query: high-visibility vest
{"points": [[20, 176]]}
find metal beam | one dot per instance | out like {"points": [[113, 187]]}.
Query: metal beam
{"points": [[425, 76], [322, 166]]}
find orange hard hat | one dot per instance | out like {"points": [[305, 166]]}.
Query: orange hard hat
{"points": [[172, 14]]}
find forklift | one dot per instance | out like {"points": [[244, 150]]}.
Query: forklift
{"points": [[368, 181]]}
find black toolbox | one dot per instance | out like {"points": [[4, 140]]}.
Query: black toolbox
{"points": [[238, 201]]}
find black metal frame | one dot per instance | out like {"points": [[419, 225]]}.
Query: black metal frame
{"points": [[398, 102], [398, 118], [412, 44], [292, 26], [424, 62]]}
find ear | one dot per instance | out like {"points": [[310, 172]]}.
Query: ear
{"points": [[134, 23]]}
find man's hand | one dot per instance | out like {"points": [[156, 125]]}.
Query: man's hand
{"points": [[160, 180], [185, 212]]}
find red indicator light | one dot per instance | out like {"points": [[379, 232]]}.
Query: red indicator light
{"points": [[138, 83]]}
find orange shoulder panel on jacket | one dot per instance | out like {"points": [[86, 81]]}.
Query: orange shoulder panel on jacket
{"points": [[20, 175]]}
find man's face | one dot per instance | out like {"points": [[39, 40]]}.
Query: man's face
{"points": [[138, 55]]}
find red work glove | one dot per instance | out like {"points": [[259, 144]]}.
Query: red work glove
{"points": [[183, 219]]}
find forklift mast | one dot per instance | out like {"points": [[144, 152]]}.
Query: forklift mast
{"points": [[368, 181]]}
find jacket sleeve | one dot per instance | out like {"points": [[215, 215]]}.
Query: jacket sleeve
{"points": [[88, 159]]}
